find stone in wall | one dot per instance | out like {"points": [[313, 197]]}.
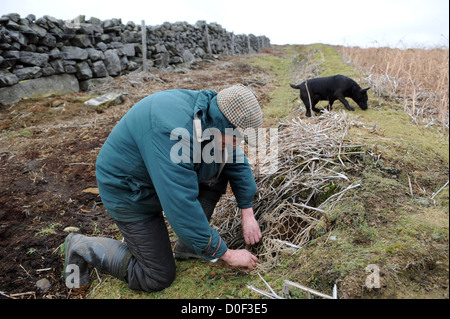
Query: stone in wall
{"points": [[41, 87], [112, 62]]}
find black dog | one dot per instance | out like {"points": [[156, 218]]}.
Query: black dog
{"points": [[331, 88]]}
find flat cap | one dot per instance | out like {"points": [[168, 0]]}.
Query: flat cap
{"points": [[240, 106]]}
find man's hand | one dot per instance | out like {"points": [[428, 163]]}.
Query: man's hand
{"points": [[240, 258], [250, 227]]}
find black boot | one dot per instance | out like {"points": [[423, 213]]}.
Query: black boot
{"points": [[105, 254], [180, 250]]}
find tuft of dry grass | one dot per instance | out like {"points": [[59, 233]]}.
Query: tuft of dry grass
{"points": [[417, 78]]}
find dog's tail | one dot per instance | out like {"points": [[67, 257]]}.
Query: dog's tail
{"points": [[295, 86]]}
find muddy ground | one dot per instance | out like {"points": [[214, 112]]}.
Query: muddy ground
{"points": [[48, 149]]}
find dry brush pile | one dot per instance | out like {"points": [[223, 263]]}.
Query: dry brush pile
{"points": [[295, 199]]}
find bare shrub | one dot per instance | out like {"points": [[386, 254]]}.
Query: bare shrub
{"points": [[417, 78]]}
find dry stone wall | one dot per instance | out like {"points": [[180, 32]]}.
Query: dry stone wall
{"points": [[89, 50]]}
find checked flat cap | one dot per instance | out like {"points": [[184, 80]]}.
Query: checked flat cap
{"points": [[241, 108]]}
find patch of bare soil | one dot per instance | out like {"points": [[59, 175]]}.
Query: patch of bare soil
{"points": [[48, 149]]}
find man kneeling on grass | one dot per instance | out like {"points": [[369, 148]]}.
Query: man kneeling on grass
{"points": [[174, 151]]}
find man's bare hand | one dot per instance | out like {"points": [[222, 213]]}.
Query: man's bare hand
{"points": [[240, 258], [250, 227]]}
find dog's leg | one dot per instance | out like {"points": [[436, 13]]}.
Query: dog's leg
{"points": [[313, 106], [307, 106], [345, 102], [330, 106]]}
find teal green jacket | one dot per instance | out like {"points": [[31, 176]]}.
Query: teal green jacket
{"points": [[150, 163]]}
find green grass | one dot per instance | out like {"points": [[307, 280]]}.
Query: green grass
{"points": [[194, 279], [330, 62], [50, 230], [280, 104], [405, 235], [381, 223]]}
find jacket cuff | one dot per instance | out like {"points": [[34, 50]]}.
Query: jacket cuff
{"points": [[212, 254]]}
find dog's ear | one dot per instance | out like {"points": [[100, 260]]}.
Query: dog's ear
{"points": [[366, 89]]}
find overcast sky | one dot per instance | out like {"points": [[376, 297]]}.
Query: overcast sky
{"points": [[346, 22]]}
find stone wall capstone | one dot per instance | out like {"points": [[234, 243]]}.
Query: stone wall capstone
{"points": [[33, 48]]}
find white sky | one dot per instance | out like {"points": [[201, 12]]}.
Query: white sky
{"points": [[403, 23]]}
